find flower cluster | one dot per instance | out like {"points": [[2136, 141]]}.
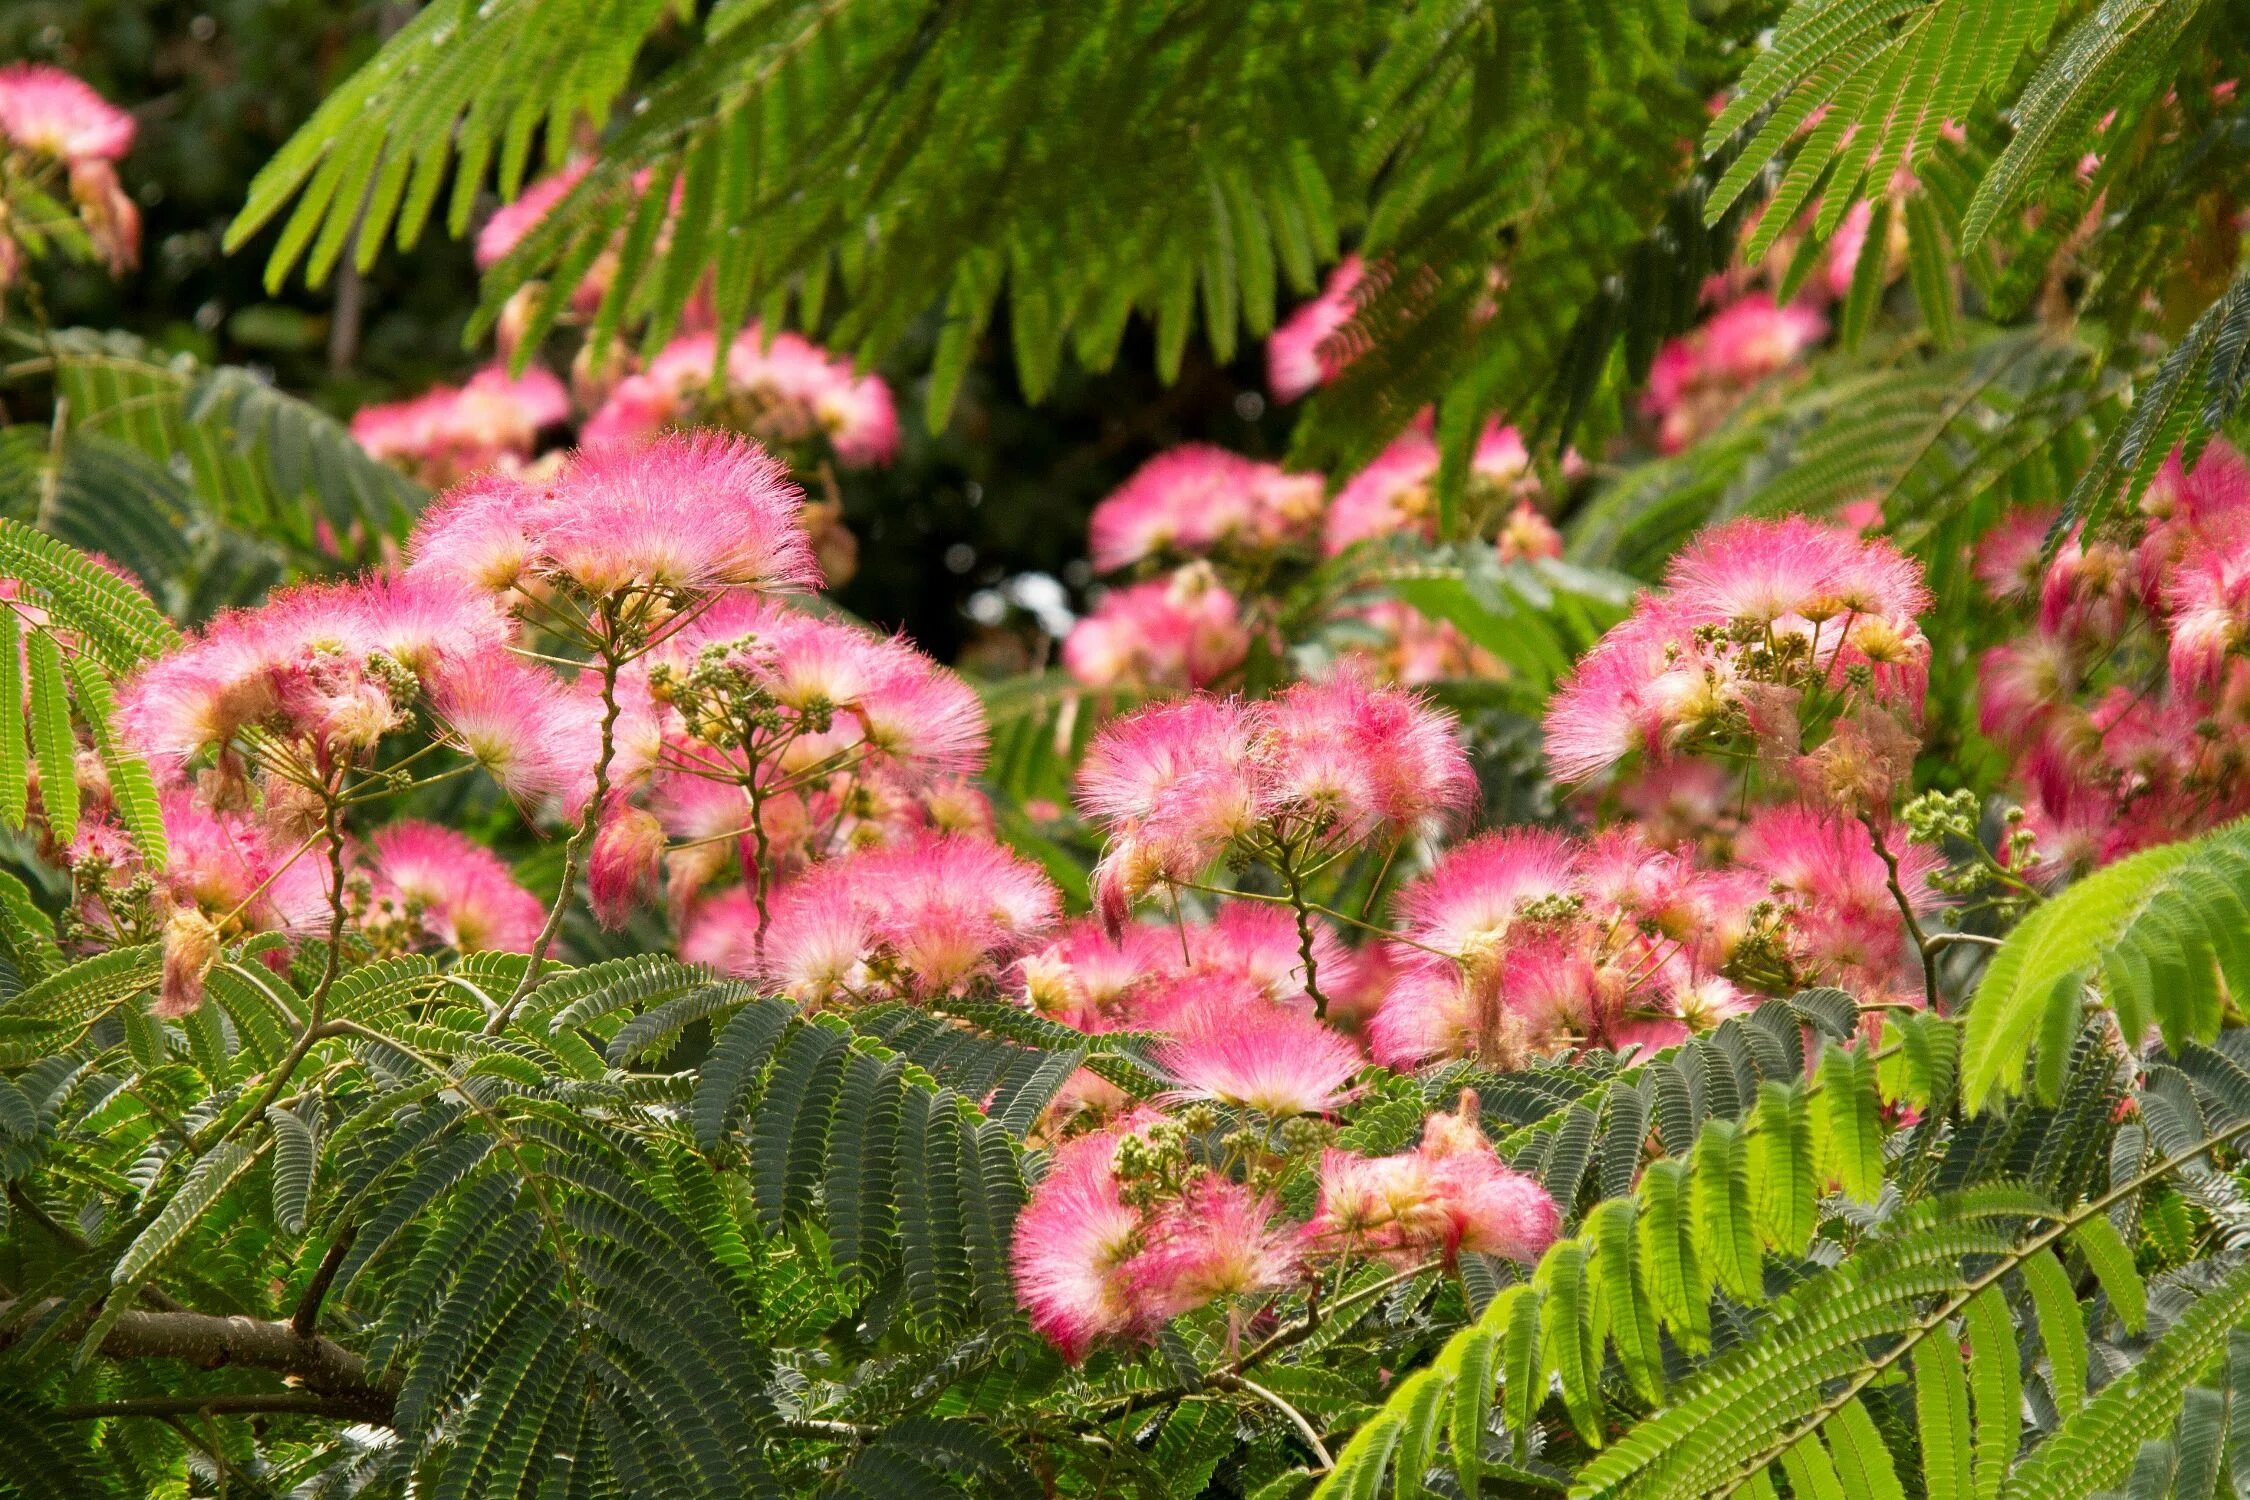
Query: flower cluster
{"points": [[779, 388], [1234, 531], [1696, 379], [1294, 782], [1309, 349], [1768, 636], [2125, 703], [1132, 1226], [272, 727], [492, 421], [1523, 944], [57, 122]]}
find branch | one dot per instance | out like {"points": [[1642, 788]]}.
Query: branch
{"points": [[209, 1341], [305, 1322]]}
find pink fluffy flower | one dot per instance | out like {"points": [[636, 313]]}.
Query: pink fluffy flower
{"points": [[2009, 557], [1842, 911], [919, 918], [416, 620], [1085, 973], [1305, 351], [782, 389], [1184, 631], [1794, 570], [46, 110], [1392, 495], [1217, 1240], [1174, 782], [628, 853], [1450, 1193], [883, 700], [1474, 896], [1360, 760], [1527, 535], [297, 665], [1073, 1242], [1277, 1061], [482, 535], [449, 433], [1259, 942], [512, 221], [685, 512], [468, 898], [1194, 499], [532, 735], [1696, 379], [1754, 613]]}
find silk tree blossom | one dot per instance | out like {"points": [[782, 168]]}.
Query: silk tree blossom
{"points": [[1844, 921], [917, 920], [779, 389], [318, 671], [683, 514], [1093, 981], [1182, 631], [1125, 1233], [1291, 781], [1269, 1058], [528, 731], [2125, 699], [1695, 380], [1448, 1194], [58, 121], [1218, 1239], [1764, 630], [1310, 347], [53, 113], [449, 433], [1073, 1242], [455, 892], [1196, 500], [1394, 494], [512, 221], [1525, 943], [680, 519]]}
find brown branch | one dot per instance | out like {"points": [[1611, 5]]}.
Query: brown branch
{"points": [[305, 1322], [210, 1341]]}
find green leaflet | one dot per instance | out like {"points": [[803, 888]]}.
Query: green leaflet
{"points": [[296, 1156], [1674, 1276], [1785, 1196], [1475, 1357], [1941, 1409], [1863, 1463], [2097, 1239], [2095, 1446], [1998, 1392], [1628, 1311], [1566, 1336], [1522, 1367], [206, 1181], [1851, 1140], [1726, 1239], [1812, 1476], [51, 736], [130, 786], [2062, 1329], [2162, 927], [14, 756]]}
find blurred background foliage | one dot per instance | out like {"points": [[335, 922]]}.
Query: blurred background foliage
{"points": [[218, 88]]}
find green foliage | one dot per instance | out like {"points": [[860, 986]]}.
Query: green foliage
{"points": [[2163, 929]]}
